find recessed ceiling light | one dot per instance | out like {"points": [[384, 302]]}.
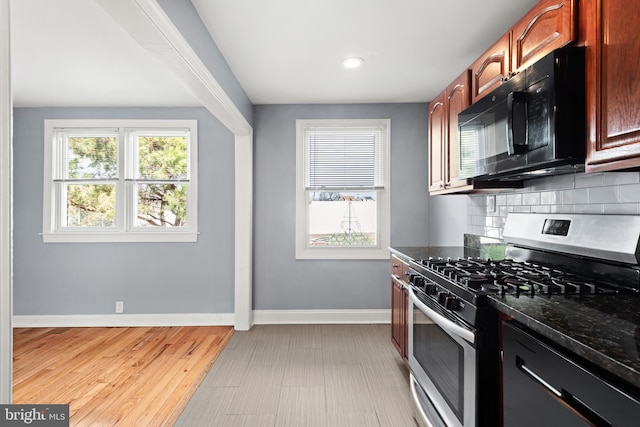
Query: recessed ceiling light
{"points": [[352, 62]]}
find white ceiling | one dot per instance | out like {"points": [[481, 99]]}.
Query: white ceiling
{"points": [[71, 53]]}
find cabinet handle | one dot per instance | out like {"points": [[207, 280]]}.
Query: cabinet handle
{"points": [[575, 404]]}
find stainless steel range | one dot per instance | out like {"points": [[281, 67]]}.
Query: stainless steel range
{"points": [[453, 344]]}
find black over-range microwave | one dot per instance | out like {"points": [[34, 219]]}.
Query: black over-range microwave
{"points": [[532, 125]]}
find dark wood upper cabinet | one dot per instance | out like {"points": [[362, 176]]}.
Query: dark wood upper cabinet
{"points": [[488, 71], [608, 31], [458, 98], [443, 136], [549, 25], [613, 87], [437, 139]]}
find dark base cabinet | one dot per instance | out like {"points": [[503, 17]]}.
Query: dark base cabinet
{"points": [[399, 305], [399, 302], [542, 387]]}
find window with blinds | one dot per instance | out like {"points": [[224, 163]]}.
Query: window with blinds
{"points": [[342, 196]]}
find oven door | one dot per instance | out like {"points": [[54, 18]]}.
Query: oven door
{"points": [[442, 359]]}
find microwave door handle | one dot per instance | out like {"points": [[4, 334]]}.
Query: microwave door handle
{"points": [[517, 122], [442, 321]]}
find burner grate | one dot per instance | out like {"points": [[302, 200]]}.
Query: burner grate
{"points": [[485, 276]]}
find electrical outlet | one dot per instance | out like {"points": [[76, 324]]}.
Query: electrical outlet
{"points": [[491, 203], [119, 306]]}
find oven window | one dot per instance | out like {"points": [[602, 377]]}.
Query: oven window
{"points": [[442, 359]]}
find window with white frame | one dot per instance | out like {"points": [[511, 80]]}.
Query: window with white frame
{"points": [[342, 197], [120, 181]]}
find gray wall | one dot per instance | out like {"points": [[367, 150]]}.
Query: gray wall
{"points": [[598, 193], [280, 281], [87, 278]]}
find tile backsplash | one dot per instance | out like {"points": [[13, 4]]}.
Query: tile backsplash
{"points": [[598, 193]]}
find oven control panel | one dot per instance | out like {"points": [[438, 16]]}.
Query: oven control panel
{"points": [[556, 227], [442, 297]]}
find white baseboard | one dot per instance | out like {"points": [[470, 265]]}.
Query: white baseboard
{"points": [[272, 317], [261, 317], [123, 320]]}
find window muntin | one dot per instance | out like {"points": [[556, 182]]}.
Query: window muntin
{"points": [[120, 181], [343, 196]]}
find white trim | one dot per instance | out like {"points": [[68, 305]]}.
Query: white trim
{"points": [[243, 274], [123, 320], [272, 317], [123, 237], [6, 207], [147, 23], [262, 317]]}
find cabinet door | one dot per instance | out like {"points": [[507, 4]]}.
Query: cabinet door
{"points": [[458, 98], [491, 67], [549, 25], [613, 86], [398, 316], [437, 138]]}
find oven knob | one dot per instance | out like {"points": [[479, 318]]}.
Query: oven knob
{"points": [[442, 297], [430, 288], [417, 280], [451, 303]]}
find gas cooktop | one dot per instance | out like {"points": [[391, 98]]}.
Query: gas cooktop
{"points": [[546, 256], [485, 276]]}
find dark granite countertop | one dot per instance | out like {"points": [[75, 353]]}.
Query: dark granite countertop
{"points": [[474, 246], [410, 253], [603, 330]]}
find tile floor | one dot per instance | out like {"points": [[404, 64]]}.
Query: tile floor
{"points": [[305, 375]]}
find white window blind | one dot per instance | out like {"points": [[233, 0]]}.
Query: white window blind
{"points": [[344, 158]]}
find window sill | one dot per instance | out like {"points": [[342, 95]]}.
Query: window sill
{"points": [[130, 237], [343, 253]]}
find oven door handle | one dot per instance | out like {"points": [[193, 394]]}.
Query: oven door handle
{"points": [[442, 321]]}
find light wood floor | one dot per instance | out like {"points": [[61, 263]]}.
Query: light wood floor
{"points": [[114, 376], [305, 375]]}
